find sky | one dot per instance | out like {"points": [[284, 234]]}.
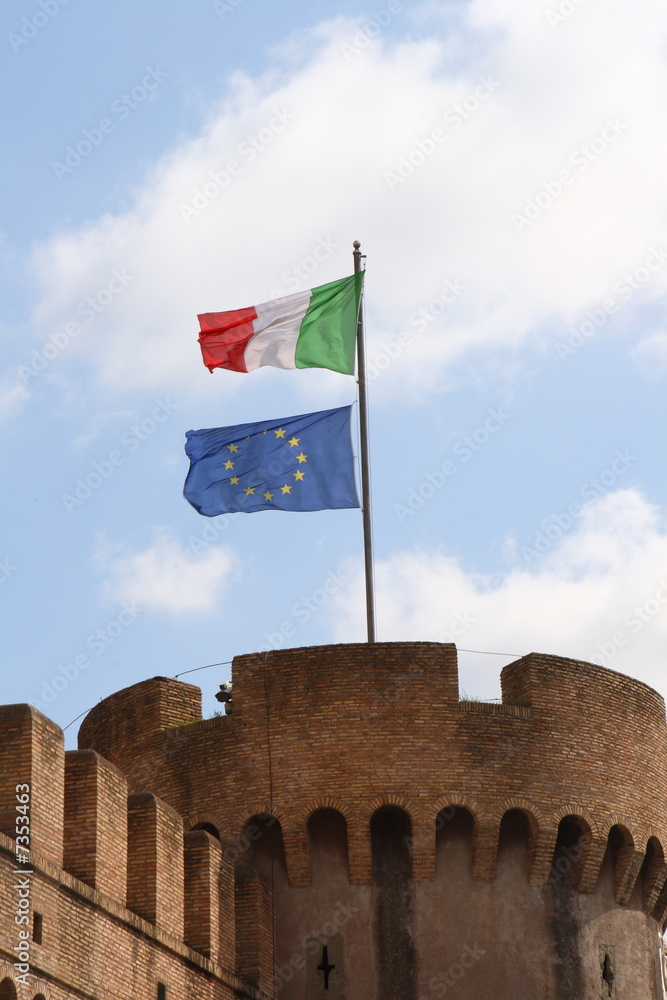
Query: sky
{"points": [[502, 165]]}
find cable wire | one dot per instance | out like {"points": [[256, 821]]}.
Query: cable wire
{"points": [[225, 663], [486, 652]]}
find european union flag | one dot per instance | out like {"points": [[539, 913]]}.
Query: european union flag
{"points": [[299, 463]]}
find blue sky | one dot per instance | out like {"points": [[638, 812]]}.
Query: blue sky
{"points": [[504, 170]]}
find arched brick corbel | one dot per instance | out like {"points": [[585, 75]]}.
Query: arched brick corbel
{"points": [[536, 826], [655, 875], [359, 851], [423, 848], [297, 859], [540, 865], [312, 807], [627, 871], [485, 849], [588, 871], [585, 866]]}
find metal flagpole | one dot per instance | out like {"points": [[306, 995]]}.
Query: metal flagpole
{"points": [[365, 474]]}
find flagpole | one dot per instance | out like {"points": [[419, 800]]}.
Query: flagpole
{"points": [[365, 474]]}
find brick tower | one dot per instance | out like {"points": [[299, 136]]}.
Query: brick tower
{"points": [[349, 830]]}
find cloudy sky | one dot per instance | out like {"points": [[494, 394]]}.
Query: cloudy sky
{"points": [[503, 165]]}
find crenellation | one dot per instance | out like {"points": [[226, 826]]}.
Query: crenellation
{"points": [[155, 875], [136, 714], [95, 847], [203, 859], [254, 924], [190, 843], [32, 753]]}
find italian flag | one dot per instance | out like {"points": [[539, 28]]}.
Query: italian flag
{"points": [[313, 329]]}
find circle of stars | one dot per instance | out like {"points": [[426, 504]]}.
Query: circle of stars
{"points": [[298, 476]]}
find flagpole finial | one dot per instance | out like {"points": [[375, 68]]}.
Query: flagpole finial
{"points": [[358, 256]]}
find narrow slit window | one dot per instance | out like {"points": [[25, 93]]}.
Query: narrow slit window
{"points": [[608, 976], [37, 922], [161, 991]]}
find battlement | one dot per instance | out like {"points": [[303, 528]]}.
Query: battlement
{"points": [[352, 680], [135, 713], [153, 812], [118, 869], [364, 725], [355, 724]]}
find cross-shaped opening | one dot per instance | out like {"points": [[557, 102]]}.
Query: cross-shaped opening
{"points": [[324, 966]]}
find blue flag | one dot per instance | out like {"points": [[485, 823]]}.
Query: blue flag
{"points": [[299, 463]]}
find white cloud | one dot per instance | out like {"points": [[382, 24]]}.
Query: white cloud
{"points": [[599, 594], [316, 142], [166, 576]]}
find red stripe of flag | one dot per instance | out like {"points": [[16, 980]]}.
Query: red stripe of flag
{"points": [[224, 337]]}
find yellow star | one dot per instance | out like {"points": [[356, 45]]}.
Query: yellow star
{"points": [[229, 465], [232, 447], [301, 457], [298, 475], [234, 480], [264, 432], [250, 489], [268, 496], [285, 489], [293, 442], [280, 433]]}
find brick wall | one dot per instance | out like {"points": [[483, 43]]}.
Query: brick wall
{"points": [[364, 726], [347, 728], [94, 947]]}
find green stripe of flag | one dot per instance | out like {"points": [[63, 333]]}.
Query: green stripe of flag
{"points": [[328, 332]]}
